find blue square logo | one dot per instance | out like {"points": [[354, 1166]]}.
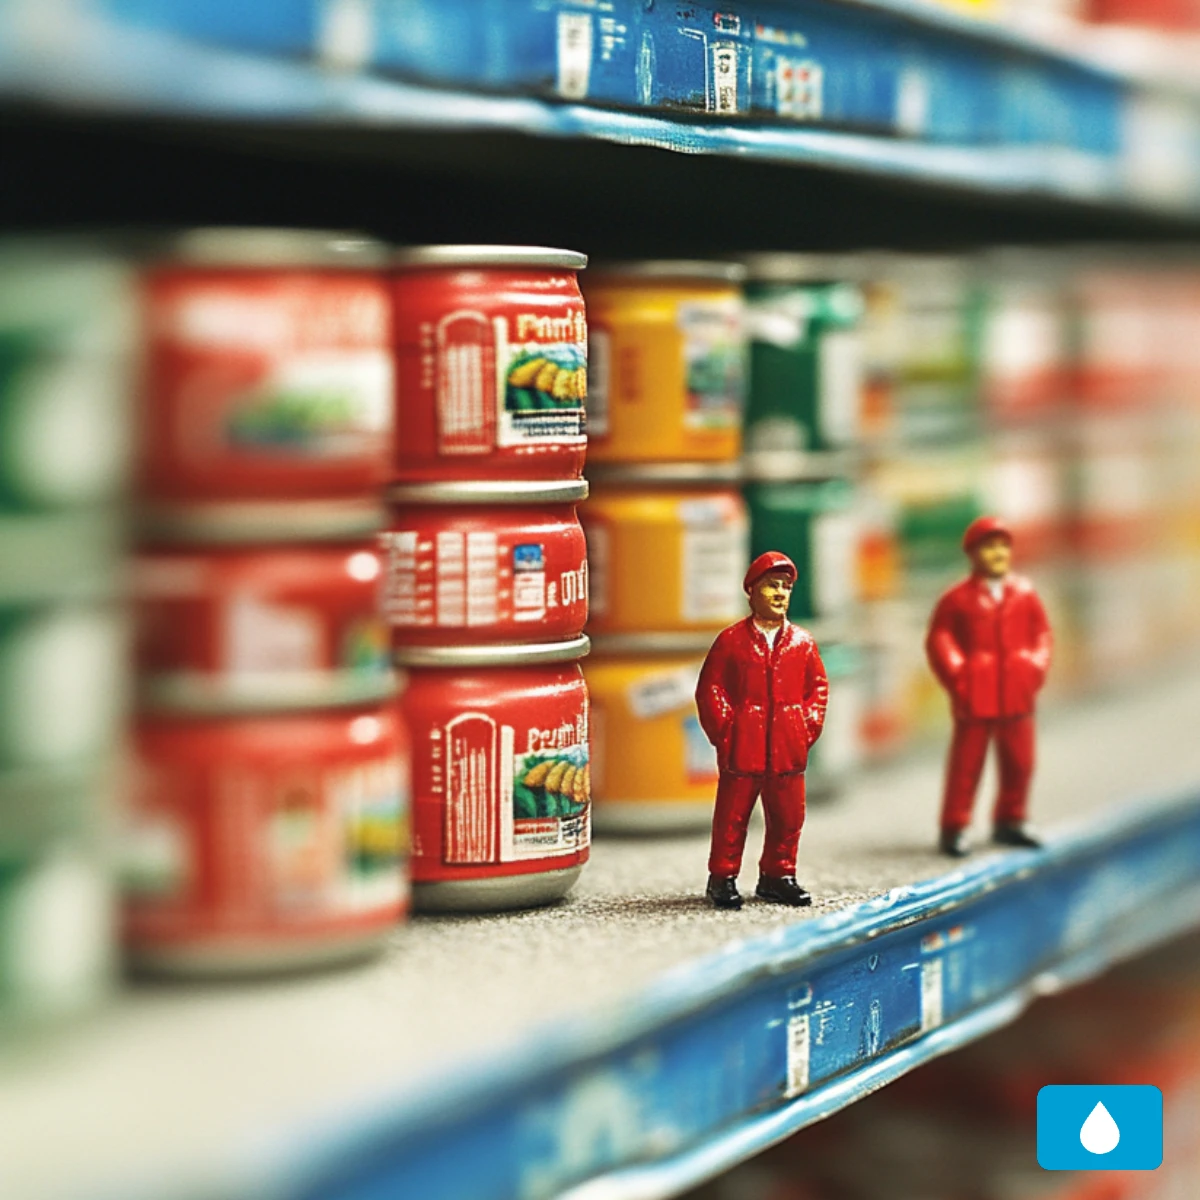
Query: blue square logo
{"points": [[1100, 1128]]}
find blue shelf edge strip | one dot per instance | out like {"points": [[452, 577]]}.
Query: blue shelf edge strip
{"points": [[723, 1057], [99, 63]]}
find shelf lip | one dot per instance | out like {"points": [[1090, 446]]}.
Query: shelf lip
{"points": [[1101, 892], [113, 70]]}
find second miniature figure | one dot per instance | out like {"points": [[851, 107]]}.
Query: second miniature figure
{"points": [[761, 697], [989, 645]]}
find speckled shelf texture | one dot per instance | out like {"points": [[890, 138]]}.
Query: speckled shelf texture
{"points": [[174, 1086]]}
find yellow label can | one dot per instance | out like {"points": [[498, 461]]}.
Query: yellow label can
{"points": [[666, 363], [653, 770], [665, 559]]}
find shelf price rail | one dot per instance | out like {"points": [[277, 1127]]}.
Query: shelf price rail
{"points": [[729, 1054]]}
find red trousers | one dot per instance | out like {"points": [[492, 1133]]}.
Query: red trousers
{"points": [[968, 749], [783, 807]]}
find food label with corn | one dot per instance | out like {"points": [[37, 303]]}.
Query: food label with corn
{"points": [[550, 784], [501, 778], [543, 366]]}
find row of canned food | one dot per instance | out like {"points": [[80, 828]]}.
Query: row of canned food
{"points": [[291, 374]]}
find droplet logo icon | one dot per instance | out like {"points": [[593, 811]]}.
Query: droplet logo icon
{"points": [[1099, 1133]]}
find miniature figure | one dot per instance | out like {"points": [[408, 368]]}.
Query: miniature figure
{"points": [[761, 696], [989, 645]]}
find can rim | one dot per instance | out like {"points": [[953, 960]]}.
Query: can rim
{"points": [[803, 268], [800, 466], [269, 246], [685, 642], [242, 523], [477, 491], [667, 472], [488, 256], [495, 893], [493, 654], [716, 271], [197, 693]]}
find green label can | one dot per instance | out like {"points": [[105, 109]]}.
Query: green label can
{"points": [[806, 376], [817, 526], [57, 900], [63, 684], [838, 753], [67, 333]]}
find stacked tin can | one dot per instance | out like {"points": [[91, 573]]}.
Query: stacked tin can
{"points": [[267, 828], [66, 357], [924, 461], [485, 586], [666, 527], [1024, 373], [804, 429]]}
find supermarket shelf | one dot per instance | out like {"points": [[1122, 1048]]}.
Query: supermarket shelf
{"points": [[732, 1054], [99, 65], [632, 1040]]}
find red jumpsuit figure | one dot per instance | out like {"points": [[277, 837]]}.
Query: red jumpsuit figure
{"points": [[761, 698], [989, 645]]}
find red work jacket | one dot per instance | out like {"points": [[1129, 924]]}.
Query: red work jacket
{"points": [[991, 656], [762, 706]]}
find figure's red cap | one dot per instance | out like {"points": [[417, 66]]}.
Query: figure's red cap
{"points": [[772, 560], [984, 527]]}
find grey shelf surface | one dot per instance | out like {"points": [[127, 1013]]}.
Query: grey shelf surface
{"points": [[195, 1090]]}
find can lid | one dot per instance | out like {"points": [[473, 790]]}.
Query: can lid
{"points": [[63, 556], [685, 642], [247, 522], [246, 246], [195, 693], [488, 256], [487, 491], [665, 473], [42, 807], [682, 269], [494, 654], [803, 268], [797, 466]]}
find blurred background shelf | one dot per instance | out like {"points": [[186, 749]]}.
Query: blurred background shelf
{"points": [[545, 1052], [905, 94]]}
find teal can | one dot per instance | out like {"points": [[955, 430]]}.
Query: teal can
{"points": [[57, 899], [838, 753], [803, 317], [68, 330], [816, 524], [64, 685]]}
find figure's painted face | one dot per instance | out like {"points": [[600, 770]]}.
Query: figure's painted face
{"points": [[770, 596], [993, 556]]}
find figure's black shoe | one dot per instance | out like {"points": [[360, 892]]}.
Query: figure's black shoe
{"points": [[955, 843], [782, 889], [722, 891], [1016, 835]]}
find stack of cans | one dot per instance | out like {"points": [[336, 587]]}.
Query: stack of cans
{"points": [[485, 586], [67, 318], [267, 828], [925, 462], [1025, 383], [666, 527], [804, 428]]}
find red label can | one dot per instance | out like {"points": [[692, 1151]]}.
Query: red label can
{"points": [[491, 363], [263, 383], [485, 572], [501, 785], [261, 843], [222, 630]]}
